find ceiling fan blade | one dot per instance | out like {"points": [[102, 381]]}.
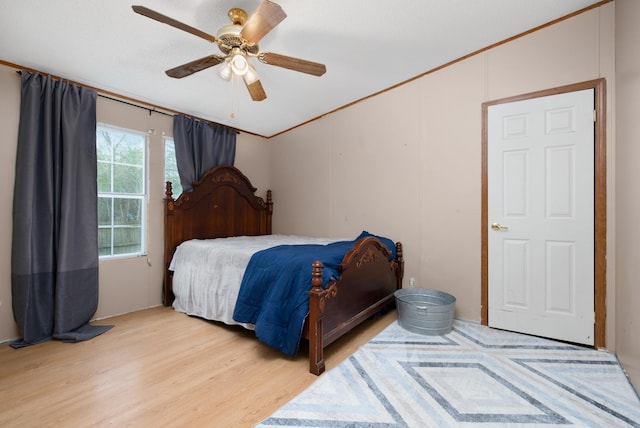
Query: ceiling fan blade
{"points": [[189, 68], [263, 20], [170, 21], [291, 63], [256, 91]]}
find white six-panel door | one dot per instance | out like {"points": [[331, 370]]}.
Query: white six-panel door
{"points": [[540, 179]]}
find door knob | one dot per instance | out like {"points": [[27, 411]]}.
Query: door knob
{"points": [[498, 226]]}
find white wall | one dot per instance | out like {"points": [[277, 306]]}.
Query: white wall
{"points": [[9, 119], [626, 194], [407, 163]]}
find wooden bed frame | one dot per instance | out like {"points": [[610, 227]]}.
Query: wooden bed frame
{"points": [[223, 204]]}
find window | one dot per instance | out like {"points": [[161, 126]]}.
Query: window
{"points": [[171, 167], [121, 191]]}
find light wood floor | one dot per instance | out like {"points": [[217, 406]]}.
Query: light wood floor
{"points": [[158, 368]]}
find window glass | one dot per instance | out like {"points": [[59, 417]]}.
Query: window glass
{"points": [[121, 191], [171, 167]]}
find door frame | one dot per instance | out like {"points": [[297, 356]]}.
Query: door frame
{"points": [[600, 200]]}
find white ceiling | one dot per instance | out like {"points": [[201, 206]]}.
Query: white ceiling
{"points": [[367, 46]]}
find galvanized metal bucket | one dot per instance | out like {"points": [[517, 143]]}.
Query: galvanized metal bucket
{"points": [[424, 311]]}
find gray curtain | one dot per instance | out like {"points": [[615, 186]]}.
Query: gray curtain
{"points": [[200, 146], [54, 259]]}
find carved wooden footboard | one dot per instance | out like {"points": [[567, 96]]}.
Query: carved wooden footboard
{"points": [[366, 286]]}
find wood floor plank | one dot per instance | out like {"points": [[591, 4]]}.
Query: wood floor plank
{"points": [[158, 368]]}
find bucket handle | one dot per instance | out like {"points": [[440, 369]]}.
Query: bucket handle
{"points": [[421, 308]]}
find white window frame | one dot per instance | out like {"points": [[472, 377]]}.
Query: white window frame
{"points": [[143, 196]]}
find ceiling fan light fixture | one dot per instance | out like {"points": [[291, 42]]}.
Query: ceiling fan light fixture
{"points": [[225, 71], [251, 76], [239, 63]]}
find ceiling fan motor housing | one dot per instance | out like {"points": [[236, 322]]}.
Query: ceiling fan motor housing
{"points": [[229, 35]]}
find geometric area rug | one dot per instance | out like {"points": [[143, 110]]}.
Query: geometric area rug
{"points": [[474, 376]]}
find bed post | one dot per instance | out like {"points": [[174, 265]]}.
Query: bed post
{"points": [[169, 245], [269, 204], [316, 306], [400, 268]]}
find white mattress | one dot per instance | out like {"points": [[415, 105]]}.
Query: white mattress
{"points": [[208, 273]]}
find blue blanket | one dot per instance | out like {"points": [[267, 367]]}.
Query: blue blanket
{"points": [[273, 294]]}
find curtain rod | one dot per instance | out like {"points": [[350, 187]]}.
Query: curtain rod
{"points": [[132, 102], [111, 97], [150, 110]]}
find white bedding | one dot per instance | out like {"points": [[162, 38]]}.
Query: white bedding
{"points": [[207, 272]]}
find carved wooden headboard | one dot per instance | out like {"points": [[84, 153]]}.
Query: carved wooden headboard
{"points": [[222, 204]]}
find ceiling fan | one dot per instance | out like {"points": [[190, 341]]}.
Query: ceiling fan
{"points": [[238, 42]]}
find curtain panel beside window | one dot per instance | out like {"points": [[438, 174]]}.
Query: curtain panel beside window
{"points": [[54, 260], [200, 146]]}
